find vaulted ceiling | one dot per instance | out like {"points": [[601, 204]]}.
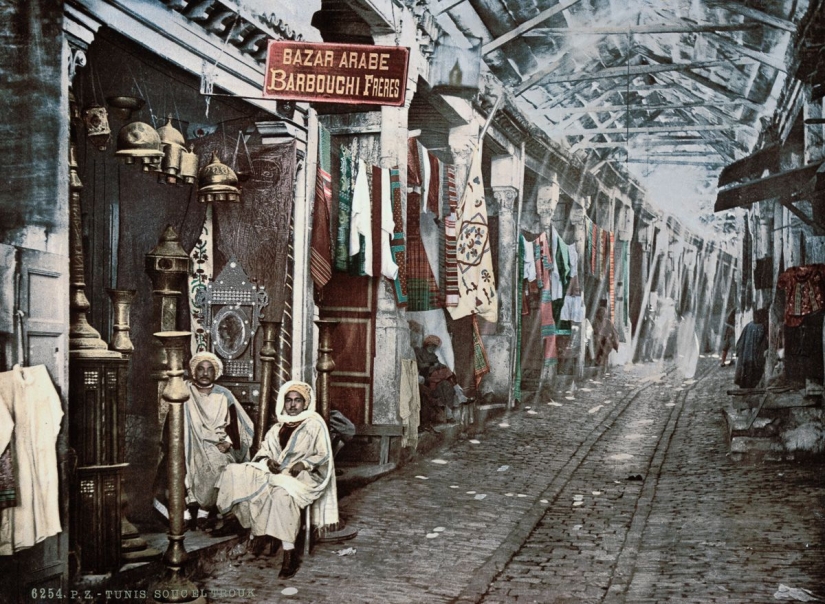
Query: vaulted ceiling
{"points": [[673, 89]]}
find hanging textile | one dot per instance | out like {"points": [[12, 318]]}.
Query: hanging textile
{"points": [[450, 261], [477, 288], [8, 271], [342, 260], [519, 320], [803, 287], [481, 364], [422, 287], [573, 308], [399, 246], [8, 488], [409, 404], [360, 234], [611, 282], [201, 267], [31, 400], [626, 279], [434, 188], [594, 246], [389, 268], [321, 247], [548, 325]]}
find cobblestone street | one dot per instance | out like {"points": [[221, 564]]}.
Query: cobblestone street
{"points": [[621, 491]]}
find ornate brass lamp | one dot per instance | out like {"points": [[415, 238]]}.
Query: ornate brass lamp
{"points": [[174, 587], [139, 142], [173, 146], [189, 166], [218, 182], [96, 120], [124, 106]]}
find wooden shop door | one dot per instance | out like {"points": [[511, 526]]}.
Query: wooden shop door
{"points": [[352, 301], [40, 573]]}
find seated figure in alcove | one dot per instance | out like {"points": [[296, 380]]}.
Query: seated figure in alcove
{"points": [[217, 432]]}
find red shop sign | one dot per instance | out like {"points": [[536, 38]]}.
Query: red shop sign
{"points": [[336, 73]]}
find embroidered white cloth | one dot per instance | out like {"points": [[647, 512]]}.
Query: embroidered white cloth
{"points": [[31, 400], [476, 281]]}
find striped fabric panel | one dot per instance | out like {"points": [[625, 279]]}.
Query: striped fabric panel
{"points": [[344, 211], [450, 263], [611, 277], [481, 364], [422, 288], [398, 246], [548, 325]]}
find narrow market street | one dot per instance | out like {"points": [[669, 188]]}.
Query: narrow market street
{"points": [[620, 491]]}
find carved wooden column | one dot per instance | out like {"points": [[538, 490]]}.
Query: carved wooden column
{"points": [[268, 354], [325, 365], [174, 587], [97, 389]]}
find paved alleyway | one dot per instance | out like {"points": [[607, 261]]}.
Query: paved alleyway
{"points": [[619, 492]]}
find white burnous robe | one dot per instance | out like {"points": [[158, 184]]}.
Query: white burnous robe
{"points": [[34, 405], [206, 419], [271, 503]]}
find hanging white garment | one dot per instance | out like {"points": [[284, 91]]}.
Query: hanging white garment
{"points": [[409, 403], [555, 276], [361, 218], [430, 239], [388, 266], [31, 400], [529, 261], [573, 308]]}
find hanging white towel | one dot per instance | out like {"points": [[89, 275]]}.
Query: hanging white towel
{"points": [[361, 218], [529, 261], [388, 266]]}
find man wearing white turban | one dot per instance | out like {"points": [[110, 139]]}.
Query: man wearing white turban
{"points": [[292, 470], [217, 432]]}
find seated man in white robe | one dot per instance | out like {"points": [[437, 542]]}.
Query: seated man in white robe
{"points": [[293, 469], [217, 433]]}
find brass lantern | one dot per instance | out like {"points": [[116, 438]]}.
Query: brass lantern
{"points": [[96, 120], [218, 182], [172, 143], [139, 142], [189, 166]]}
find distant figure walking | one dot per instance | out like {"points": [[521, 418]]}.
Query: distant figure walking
{"points": [[728, 336]]}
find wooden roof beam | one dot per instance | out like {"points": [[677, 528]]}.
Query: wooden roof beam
{"points": [[705, 82], [664, 28], [756, 15], [643, 130], [653, 142], [528, 25], [615, 72], [637, 107]]}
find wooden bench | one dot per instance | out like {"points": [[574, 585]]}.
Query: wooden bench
{"points": [[383, 431]]}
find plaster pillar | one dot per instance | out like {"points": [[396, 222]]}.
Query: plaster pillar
{"points": [[392, 333], [505, 178], [547, 198]]}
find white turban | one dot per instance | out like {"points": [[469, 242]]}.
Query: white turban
{"points": [[206, 356], [304, 390]]}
